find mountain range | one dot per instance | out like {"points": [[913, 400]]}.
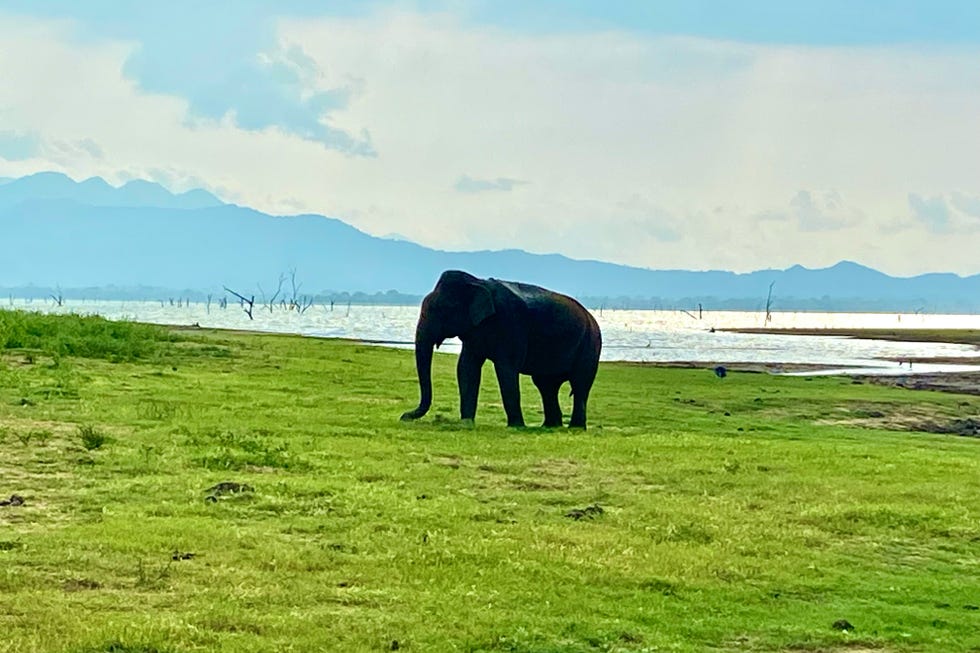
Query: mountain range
{"points": [[59, 233]]}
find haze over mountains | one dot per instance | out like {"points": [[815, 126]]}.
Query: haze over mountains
{"points": [[58, 233]]}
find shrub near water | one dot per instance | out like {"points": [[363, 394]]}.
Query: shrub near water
{"points": [[84, 336]]}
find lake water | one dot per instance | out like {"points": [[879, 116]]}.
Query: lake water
{"points": [[628, 335]]}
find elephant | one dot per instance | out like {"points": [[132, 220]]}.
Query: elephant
{"points": [[522, 329]]}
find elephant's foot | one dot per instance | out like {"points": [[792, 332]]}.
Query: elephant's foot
{"points": [[467, 422], [552, 423], [578, 418]]}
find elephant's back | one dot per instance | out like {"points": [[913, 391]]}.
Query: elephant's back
{"points": [[559, 330]]}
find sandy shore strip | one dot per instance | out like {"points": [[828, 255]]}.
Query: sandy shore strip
{"points": [[950, 336]]}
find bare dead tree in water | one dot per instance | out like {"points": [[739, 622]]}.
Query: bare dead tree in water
{"points": [[58, 298], [272, 301], [304, 303], [699, 316], [294, 300], [299, 303], [769, 303], [249, 302]]}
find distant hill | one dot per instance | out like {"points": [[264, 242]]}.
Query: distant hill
{"points": [[96, 192], [142, 239]]}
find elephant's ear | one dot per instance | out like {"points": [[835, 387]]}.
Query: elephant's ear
{"points": [[481, 307]]}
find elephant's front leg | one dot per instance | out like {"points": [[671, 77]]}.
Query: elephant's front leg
{"points": [[510, 392], [469, 369]]}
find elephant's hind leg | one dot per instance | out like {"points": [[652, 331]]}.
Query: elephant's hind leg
{"points": [[577, 420], [548, 387], [581, 386]]}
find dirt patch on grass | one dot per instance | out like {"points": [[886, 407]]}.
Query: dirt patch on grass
{"points": [[24, 358], [923, 418], [967, 383], [80, 585], [556, 467], [969, 427], [538, 484], [25, 424], [36, 449], [448, 460], [859, 648]]}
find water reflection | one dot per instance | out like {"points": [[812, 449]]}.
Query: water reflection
{"points": [[654, 336]]}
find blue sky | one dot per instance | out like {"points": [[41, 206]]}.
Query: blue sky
{"points": [[821, 22], [826, 22], [737, 134]]}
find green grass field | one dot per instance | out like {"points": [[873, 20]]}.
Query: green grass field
{"points": [[748, 513]]}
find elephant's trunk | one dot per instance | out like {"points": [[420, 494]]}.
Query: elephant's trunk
{"points": [[423, 365]]}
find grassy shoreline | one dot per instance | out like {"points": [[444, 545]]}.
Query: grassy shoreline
{"points": [[745, 513]]}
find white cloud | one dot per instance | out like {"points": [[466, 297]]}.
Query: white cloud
{"points": [[659, 152], [970, 205], [467, 184], [816, 211]]}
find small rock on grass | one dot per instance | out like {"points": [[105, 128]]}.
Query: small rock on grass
{"points": [[226, 487], [14, 500], [588, 512], [843, 624], [229, 487]]}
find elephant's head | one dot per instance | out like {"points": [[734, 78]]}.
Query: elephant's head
{"points": [[457, 304]]}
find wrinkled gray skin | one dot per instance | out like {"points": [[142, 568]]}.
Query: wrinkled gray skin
{"points": [[523, 329]]}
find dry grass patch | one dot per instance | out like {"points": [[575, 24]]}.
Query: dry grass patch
{"points": [[963, 419]]}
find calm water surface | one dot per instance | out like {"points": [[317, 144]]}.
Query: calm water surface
{"points": [[628, 335]]}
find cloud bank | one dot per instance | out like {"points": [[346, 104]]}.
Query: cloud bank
{"points": [[650, 150]]}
